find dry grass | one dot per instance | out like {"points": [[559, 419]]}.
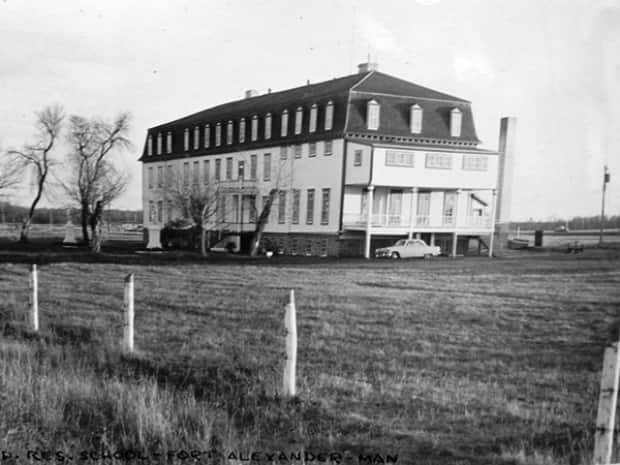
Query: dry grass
{"points": [[467, 361]]}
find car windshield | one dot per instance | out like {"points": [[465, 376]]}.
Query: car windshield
{"points": [[401, 242]]}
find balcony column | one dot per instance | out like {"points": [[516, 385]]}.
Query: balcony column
{"points": [[493, 203], [371, 189], [412, 210], [432, 239]]}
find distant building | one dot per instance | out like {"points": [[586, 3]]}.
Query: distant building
{"points": [[358, 161]]}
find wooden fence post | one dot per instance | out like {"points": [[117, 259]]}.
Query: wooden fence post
{"points": [[34, 298], [290, 321], [606, 416], [128, 314]]}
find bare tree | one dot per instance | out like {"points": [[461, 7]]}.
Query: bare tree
{"points": [[198, 202], [10, 171], [93, 181], [37, 157]]}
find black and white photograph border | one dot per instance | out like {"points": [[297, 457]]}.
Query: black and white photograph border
{"points": [[310, 232]]}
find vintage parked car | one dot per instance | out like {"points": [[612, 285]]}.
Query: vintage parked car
{"points": [[406, 248], [180, 234]]}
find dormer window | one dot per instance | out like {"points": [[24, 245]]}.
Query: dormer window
{"points": [[456, 117], [415, 119], [186, 139], [329, 115], [372, 115], [196, 137], [218, 134], [313, 114], [299, 116], [268, 126], [284, 125], [242, 130], [254, 127], [207, 135], [159, 143], [149, 146], [229, 132], [169, 142]]}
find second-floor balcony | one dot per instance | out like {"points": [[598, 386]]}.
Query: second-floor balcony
{"points": [[421, 222]]}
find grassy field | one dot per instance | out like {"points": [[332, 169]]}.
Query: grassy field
{"points": [[467, 361]]}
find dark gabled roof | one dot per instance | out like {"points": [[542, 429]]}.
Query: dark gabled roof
{"points": [[382, 83], [349, 94], [395, 114]]}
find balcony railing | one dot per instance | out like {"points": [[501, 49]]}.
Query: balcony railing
{"points": [[359, 220]]}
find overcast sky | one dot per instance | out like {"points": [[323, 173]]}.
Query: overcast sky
{"points": [[554, 64]]}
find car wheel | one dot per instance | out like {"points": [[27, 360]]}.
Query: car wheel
{"points": [[427, 256], [395, 255]]}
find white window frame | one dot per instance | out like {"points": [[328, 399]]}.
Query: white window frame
{"points": [[169, 142], [475, 163], [218, 134], [206, 171], [151, 179], [207, 135], [399, 158], [311, 149], [314, 110], [328, 148], [186, 139], [416, 114], [149, 145], [329, 115], [299, 120], [325, 200], [357, 157], [268, 126], [254, 128], [196, 137], [229, 132], [456, 121], [267, 167], [373, 115], [159, 143], [284, 124], [442, 161], [242, 130]]}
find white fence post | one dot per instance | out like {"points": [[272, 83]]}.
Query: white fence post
{"points": [[128, 313], [290, 321], [34, 298], [605, 418]]}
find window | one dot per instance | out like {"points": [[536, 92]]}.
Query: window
{"points": [[254, 128], [229, 168], [299, 116], [151, 211], [160, 211], [169, 176], [313, 114], [169, 142], [242, 130], [251, 202], [283, 152], [415, 117], [357, 158], [325, 206], [253, 167], [186, 173], [475, 163], [297, 151], [196, 137], [284, 124], [281, 207], [169, 214], [265, 201], [149, 146], [186, 139], [310, 207], [397, 158], [235, 209], [218, 134], [268, 126], [439, 160], [372, 115], [267, 167], [327, 148], [221, 209], [229, 133], [329, 115], [218, 169], [159, 143], [296, 199], [449, 208], [150, 177], [205, 171], [456, 118], [196, 172], [160, 176], [312, 149], [207, 135], [241, 170]]}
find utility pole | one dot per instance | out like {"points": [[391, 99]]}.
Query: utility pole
{"points": [[606, 178]]}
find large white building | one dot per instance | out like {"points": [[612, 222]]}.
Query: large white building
{"points": [[358, 161]]}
